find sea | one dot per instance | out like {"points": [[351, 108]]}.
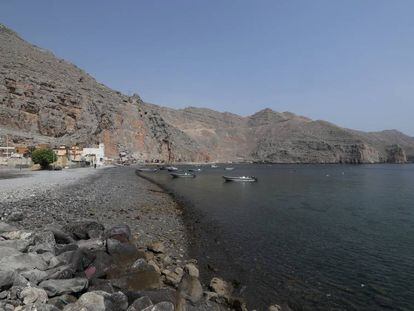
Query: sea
{"points": [[310, 237]]}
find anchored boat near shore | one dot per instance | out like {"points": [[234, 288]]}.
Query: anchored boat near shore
{"points": [[240, 178], [171, 168], [183, 175], [146, 170], [195, 170]]}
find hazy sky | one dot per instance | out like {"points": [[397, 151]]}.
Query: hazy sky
{"points": [[349, 62]]}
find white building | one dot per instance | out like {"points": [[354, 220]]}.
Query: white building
{"points": [[95, 155]]}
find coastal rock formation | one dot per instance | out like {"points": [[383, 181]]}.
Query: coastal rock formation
{"points": [[270, 136], [44, 99], [79, 274], [396, 154]]}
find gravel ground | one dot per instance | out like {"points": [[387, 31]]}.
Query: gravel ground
{"points": [[110, 195]]}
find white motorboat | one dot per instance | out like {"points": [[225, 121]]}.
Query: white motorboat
{"points": [[171, 168], [183, 175], [240, 178]]}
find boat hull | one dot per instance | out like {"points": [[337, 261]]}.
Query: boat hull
{"points": [[178, 175], [240, 179]]}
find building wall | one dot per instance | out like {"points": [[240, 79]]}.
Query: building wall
{"points": [[98, 154]]}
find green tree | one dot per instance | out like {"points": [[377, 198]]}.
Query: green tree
{"points": [[44, 157]]}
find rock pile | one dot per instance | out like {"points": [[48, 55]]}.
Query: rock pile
{"points": [[84, 266]]}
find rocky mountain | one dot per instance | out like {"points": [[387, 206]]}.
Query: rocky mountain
{"points": [[46, 99], [269, 136]]}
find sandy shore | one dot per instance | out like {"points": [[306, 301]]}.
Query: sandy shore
{"points": [[109, 195]]}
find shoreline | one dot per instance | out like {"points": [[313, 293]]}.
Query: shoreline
{"points": [[208, 270], [160, 233], [110, 195]]}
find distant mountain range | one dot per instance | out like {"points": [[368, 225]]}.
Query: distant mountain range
{"points": [[44, 99]]}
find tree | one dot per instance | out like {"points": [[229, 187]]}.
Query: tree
{"points": [[44, 157]]}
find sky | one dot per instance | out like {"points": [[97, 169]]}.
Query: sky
{"points": [[348, 62]]}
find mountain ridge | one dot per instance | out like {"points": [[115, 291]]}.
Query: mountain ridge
{"points": [[47, 99]]}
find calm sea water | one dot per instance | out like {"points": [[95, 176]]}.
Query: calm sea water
{"points": [[314, 237]]}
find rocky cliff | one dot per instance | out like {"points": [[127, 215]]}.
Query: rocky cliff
{"points": [[44, 99]]}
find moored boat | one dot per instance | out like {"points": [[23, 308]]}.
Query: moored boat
{"points": [[214, 166], [146, 170], [195, 170], [171, 168], [183, 175], [229, 168], [240, 178]]}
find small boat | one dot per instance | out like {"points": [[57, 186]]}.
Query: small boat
{"points": [[240, 178], [229, 168], [147, 170], [195, 170], [214, 166], [183, 175], [171, 168]]}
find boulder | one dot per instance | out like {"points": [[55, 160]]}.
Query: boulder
{"points": [[137, 280], [43, 242], [61, 272], [5, 306], [4, 294], [123, 250], [47, 257], [122, 233], [156, 296], [61, 237], [17, 235], [23, 262], [80, 259], [100, 284], [141, 265], [102, 264], [35, 276], [61, 301], [33, 295], [192, 270], [163, 306], [157, 247], [64, 286], [21, 281], [99, 301], [221, 287], [37, 307], [191, 289], [20, 245], [96, 244], [8, 251], [173, 277], [63, 248], [80, 229], [140, 304], [6, 279]]}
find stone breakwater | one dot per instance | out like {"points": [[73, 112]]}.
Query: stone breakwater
{"points": [[85, 266]]}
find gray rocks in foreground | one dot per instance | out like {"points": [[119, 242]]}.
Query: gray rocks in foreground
{"points": [[83, 266]]}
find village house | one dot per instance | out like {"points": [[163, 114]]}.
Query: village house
{"points": [[62, 156], [94, 155], [75, 154]]}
